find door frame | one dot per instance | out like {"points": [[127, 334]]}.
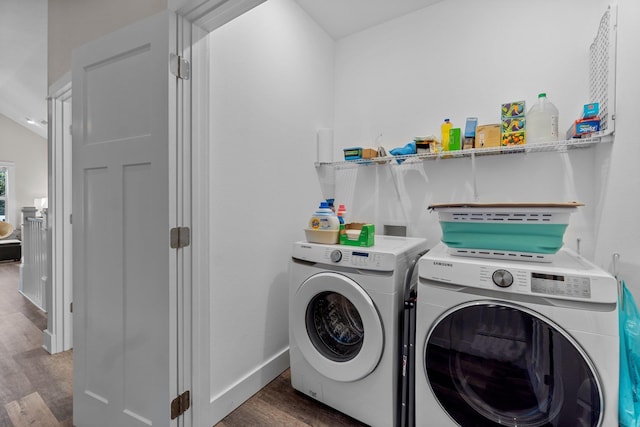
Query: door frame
{"points": [[197, 19], [58, 336]]}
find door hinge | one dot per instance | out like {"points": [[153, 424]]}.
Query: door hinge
{"points": [[180, 404], [180, 237], [71, 308], [179, 67]]}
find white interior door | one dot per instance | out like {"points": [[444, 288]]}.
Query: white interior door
{"points": [[125, 144]]}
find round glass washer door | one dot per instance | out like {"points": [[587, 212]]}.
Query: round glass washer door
{"points": [[337, 327], [497, 364]]}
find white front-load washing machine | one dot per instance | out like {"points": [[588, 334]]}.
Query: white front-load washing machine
{"points": [[512, 343], [345, 310]]}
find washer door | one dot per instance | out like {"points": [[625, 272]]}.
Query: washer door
{"points": [[337, 327], [498, 364]]}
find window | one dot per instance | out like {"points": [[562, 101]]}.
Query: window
{"points": [[6, 191], [3, 193]]}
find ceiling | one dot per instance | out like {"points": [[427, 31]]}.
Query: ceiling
{"points": [[23, 41], [23, 63], [341, 18]]}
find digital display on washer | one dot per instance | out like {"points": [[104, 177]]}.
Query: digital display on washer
{"points": [[364, 254], [552, 284]]}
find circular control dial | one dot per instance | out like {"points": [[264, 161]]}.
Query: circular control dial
{"points": [[502, 278], [336, 255]]}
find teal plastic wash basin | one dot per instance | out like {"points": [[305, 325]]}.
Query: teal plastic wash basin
{"points": [[540, 238]]}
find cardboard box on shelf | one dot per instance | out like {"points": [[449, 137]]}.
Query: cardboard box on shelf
{"points": [[513, 125], [352, 153], [487, 136], [512, 109], [513, 138], [589, 111], [583, 128], [424, 144], [369, 153]]}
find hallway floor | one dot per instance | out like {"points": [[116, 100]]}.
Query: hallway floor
{"points": [[36, 388]]}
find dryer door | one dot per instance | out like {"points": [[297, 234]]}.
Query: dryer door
{"points": [[498, 364], [337, 327]]}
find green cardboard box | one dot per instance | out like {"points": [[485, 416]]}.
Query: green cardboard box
{"points": [[365, 238]]}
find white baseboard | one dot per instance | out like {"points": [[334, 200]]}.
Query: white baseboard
{"points": [[225, 402], [48, 342]]}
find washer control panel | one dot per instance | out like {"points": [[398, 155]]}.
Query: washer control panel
{"points": [[349, 258], [357, 258]]}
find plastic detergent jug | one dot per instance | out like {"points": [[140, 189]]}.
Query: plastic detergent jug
{"points": [[445, 128], [542, 121], [324, 218]]}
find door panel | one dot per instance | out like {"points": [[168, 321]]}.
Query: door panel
{"points": [[493, 364], [124, 203]]}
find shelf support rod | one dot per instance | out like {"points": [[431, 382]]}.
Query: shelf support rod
{"points": [[473, 172]]}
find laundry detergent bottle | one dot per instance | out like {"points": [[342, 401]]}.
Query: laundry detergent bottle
{"points": [[445, 127], [324, 218]]}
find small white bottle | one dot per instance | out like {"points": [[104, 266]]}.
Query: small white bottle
{"points": [[324, 218], [542, 121]]}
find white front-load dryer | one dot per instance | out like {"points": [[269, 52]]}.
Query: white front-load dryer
{"points": [[510, 343], [345, 312]]}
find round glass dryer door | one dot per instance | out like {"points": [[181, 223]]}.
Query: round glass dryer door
{"points": [[497, 364], [337, 327]]}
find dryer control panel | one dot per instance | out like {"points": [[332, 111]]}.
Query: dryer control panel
{"points": [[561, 285], [569, 277]]}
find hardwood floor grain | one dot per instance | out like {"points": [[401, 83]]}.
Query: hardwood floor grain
{"points": [[279, 404], [31, 411], [36, 388]]}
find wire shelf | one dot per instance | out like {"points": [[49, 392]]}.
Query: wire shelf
{"points": [[602, 55], [551, 146]]}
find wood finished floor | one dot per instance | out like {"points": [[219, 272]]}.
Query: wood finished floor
{"points": [[36, 388]]}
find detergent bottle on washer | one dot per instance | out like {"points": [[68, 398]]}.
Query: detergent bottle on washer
{"points": [[324, 218]]}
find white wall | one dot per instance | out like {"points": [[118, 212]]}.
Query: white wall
{"points": [[271, 88], [273, 78], [28, 152], [455, 59], [619, 229]]}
